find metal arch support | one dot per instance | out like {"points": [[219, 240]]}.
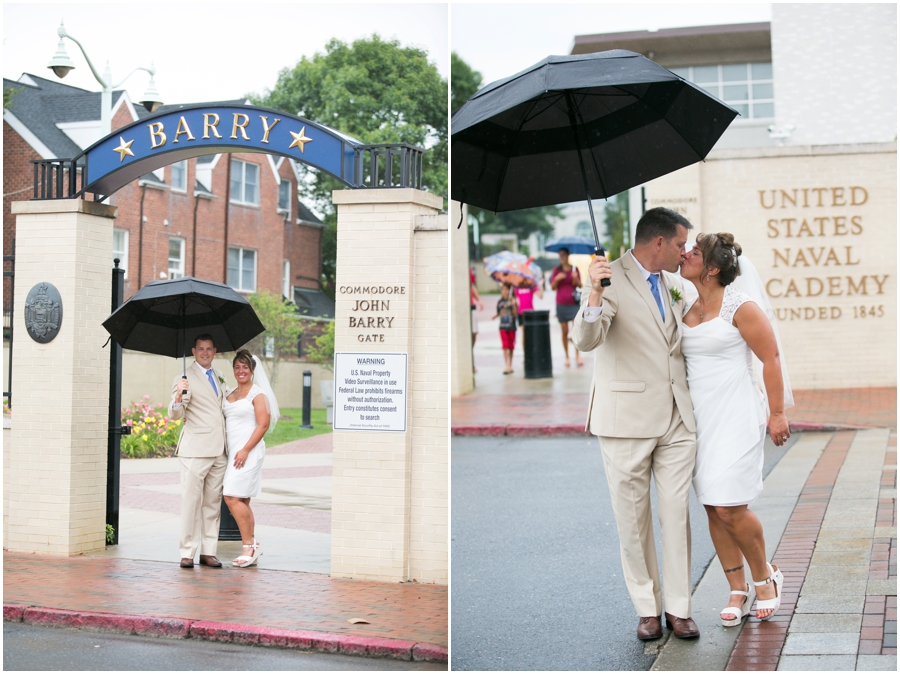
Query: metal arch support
{"points": [[198, 130]]}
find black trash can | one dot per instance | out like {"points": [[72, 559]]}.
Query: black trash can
{"points": [[228, 528], [538, 362]]}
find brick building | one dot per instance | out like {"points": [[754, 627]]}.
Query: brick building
{"points": [[233, 219]]}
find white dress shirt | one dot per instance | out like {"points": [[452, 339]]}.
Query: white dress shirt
{"points": [[591, 314]]}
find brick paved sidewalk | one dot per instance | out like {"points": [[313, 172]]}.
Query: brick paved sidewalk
{"points": [[254, 597], [838, 556]]}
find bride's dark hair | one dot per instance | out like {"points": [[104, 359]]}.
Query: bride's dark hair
{"points": [[719, 251], [244, 356]]}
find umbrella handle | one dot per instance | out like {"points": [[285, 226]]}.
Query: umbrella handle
{"points": [[599, 251], [184, 376]]}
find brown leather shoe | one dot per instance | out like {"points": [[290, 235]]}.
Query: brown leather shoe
{"points": [[683, 628], [649, 628], [210, 560], [187, 563]]}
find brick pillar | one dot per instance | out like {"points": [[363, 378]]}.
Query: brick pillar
{"points": [[383, 484], [55, 476]]}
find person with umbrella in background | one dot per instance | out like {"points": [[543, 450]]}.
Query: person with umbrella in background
{"points": [[564, 279], [197, 397], [507, 312]]}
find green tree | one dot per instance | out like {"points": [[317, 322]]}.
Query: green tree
{"points": [[9, 93], [618, 231], [376, 91], [322, 352], [282, 329], [464, 82]]}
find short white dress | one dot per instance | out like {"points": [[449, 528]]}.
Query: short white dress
{"points": [[729, 408], [240, 422]]}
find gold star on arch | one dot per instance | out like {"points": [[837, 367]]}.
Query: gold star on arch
{"points": [[124, 148], [300, 139]]}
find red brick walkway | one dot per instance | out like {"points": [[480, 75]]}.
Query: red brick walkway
{"points": [[255, 597]]}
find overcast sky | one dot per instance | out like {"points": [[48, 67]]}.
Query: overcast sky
{"points": [[499, 40], [205, 52]]}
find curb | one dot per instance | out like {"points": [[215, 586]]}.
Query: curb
{"points": [[526, 430], [182, 628]]}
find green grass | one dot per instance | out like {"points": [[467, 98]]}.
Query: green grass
{"points": [[288, 431]]}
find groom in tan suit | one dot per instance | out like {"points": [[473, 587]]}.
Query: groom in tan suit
{"points": [[201, 452], [640, 408]]}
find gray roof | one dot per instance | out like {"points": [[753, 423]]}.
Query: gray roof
{"points": [[306, 215], [42, 106], [48, 102], [313, 303]]}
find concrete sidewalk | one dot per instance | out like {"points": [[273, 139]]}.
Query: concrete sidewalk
{"points": [[288, 600]]}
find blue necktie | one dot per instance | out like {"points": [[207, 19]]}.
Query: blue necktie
{"points": [[654, 288], [212, 381]]}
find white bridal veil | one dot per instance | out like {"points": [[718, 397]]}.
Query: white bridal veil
{"points": [[262, 380], [750, 283]]}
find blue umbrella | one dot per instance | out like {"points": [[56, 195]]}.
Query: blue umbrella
{"points": [[575, 244]]}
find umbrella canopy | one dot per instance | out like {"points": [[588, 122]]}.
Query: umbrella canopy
{"points": [[165, 317], [569, 126], [513, 268], [576, 245]]}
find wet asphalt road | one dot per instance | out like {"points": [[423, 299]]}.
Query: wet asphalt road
{"points": [[38, 648], [537, 579]]}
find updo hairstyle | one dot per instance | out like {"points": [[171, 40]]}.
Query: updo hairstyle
{"points": [[721, 252], [244, 356]]}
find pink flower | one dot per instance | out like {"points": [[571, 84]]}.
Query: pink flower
{"points": [[129, 423], [146, 397]]}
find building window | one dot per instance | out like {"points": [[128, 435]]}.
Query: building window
{"points": [[176, 258], [286, 280], [242, 269], [179, 176], [284, 196], [120, 248], [244, 182], [746, 87], [583, 228]]}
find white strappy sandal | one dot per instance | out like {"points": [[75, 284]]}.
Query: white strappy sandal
{"points": [[740, 611], [244, 560], [775, 576]]}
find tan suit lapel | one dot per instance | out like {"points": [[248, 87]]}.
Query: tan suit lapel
{"points": [[633, 274], [673, 311]]}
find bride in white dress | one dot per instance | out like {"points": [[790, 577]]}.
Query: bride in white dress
{"points": [[723, 330], [250, 411]]}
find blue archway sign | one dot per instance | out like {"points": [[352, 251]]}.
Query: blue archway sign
{"points": [[193, 131]]}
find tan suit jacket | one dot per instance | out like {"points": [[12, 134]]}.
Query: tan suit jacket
{"points": [[638, 364], [203, 433]]}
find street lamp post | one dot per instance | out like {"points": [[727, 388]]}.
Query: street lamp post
{"points": [[61, 64]]}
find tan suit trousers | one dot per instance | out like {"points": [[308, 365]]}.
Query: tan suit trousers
{"points": [[629, 463], [201, 503]]}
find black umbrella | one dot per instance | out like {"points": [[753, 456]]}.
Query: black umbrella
{"points": [[576, 127], [165, 317]]}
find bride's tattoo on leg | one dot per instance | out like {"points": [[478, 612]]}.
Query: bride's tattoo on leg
{"points": [[737, 568]]}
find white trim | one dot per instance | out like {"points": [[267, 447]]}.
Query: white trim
{"points": [[240, 269], [26, 79], [27, 135], [274, 168], [127, 100], [83, 134]]}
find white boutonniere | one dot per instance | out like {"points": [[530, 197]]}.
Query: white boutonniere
{"points": [[676, 295]]}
